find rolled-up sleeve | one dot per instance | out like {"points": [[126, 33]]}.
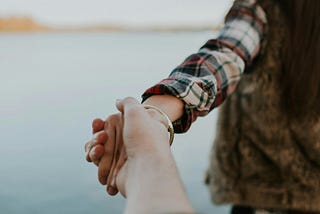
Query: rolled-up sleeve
{"points": [[206, 78]]}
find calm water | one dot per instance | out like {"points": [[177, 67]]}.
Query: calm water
{"points": [[52, 85]]}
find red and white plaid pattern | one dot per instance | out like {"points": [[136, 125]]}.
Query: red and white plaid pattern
{"points": [[206, 78]]}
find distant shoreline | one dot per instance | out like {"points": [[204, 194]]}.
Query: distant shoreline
{"points": [[27, 24]]}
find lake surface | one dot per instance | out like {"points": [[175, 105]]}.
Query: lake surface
{"points": [[53, 84]]}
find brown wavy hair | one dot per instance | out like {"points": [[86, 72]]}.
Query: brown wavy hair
{"points": [[300, 80]]}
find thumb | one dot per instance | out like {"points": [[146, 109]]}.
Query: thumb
{"points": [[134, 116], [126, 103]]}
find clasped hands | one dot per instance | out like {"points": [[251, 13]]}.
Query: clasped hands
{"points": [[134, 131]]}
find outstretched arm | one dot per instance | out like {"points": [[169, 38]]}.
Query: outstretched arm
{"points": [[204, 80], [105, 149]]}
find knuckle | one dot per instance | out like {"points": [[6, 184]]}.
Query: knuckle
{"points": [[134, 111], [101, 137], [129, 99], [113, 119]]}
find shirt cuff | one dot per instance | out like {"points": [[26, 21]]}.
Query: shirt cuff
{"points": [[191, 112]]}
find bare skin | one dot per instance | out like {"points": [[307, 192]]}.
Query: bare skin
{"points": [[106, 148], [149, 174]]}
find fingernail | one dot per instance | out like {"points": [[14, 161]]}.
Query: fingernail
{"points": [[111, 190]]}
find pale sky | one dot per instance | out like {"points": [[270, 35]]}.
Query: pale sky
{"points": [[136, 12]]}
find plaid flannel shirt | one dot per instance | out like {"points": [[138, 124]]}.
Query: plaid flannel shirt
{"points": [[206, 78]]}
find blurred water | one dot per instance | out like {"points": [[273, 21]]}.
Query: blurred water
{"points": [[52, 85]]}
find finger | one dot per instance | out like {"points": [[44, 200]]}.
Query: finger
{"points": [[121, 179], [120, 162], [111, 177], [96, 153], [123, 158], [106, 160], [119, 150], [112, 187], [99, 138], [97, 125], [133, 111], [86, 148], [126, 103], [111, 190]]}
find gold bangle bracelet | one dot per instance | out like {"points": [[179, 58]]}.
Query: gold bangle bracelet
{"points": [[169, 123]]}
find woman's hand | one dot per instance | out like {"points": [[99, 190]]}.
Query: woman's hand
{"points": [[95, 147], [106, 150]]}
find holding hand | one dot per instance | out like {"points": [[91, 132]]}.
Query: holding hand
{"points": [[147, 172], [106, 148]]}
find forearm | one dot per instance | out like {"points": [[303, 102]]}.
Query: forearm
{"points": [[171, 105], [206, 78], [154, 186]]}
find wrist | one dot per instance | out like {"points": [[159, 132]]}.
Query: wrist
{"points": [[158, 177], [163, 118], [169, 104]]}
